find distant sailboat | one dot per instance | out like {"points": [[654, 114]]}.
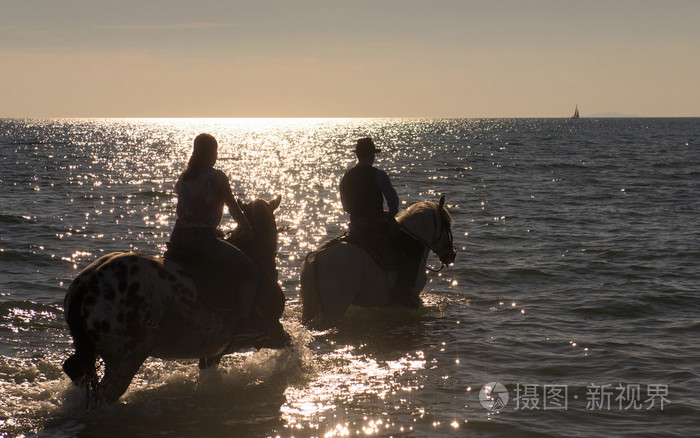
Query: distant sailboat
{"points": [[575, 116]]}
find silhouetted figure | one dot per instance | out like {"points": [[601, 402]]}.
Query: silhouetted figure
{"points": [[202, 192], [363, 190]]}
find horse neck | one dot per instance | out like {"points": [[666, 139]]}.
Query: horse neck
{"points": [[264, 247], [420, 223], [264, 257]]}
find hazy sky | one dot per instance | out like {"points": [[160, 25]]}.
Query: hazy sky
{"points": [[351, 58]]}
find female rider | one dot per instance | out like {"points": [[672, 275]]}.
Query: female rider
{"points": [[202, 192]]}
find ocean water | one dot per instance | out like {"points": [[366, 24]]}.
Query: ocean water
{"points": [[576, 291]]}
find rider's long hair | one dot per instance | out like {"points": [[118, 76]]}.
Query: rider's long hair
{"points": [[205, 146]]}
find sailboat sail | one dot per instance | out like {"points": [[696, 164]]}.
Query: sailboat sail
{"points": [[575, 116]]}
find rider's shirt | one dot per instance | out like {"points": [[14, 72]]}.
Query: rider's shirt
{"points": [[200, 200], [362, 192]]}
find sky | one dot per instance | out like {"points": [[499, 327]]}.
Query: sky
{"points": [[378, 58]]}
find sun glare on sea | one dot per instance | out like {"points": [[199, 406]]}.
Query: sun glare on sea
{"points": [[345, 376]]}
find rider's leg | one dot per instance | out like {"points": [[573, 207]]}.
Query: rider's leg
{"points": [[204, 244], [231, 259], [247, 271], [246, 297], [409, 267]]}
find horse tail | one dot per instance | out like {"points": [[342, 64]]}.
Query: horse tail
{"points": [[80, 367], [310, 298]]}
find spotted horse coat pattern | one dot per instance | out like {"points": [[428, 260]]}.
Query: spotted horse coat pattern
{"points": [[125, 307]]}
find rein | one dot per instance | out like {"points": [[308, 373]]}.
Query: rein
{"points": [[268, 265], [442, 265], [433, 245]]}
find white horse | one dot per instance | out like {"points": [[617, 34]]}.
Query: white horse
{"points": [[341, 274], [125, 307]]}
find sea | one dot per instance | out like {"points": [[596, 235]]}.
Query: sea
{"points": [[572, 309]]}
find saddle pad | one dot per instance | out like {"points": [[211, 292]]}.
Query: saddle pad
{"points": [[381, 252]]}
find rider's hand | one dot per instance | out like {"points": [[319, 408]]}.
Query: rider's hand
{"points": [[246, 229], [246, 236]]}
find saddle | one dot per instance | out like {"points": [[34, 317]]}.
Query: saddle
{"points": [[218, 288]]}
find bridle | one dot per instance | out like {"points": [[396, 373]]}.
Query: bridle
{"points": [[267, 264], [450, 241], [445, 228]]}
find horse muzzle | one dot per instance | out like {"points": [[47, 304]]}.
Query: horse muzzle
{"points": [[447, 255]]}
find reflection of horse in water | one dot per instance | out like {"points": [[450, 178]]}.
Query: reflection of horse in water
{"points": [[125, 307], [344, 273]]}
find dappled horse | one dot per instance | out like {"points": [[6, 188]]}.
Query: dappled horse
{"points": [[344, 273], [125, 307]]}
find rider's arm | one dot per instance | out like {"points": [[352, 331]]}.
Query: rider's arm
{"points": [[234, 209], [343, 196], [384, 184]]}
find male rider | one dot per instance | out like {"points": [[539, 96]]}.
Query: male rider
{"points": [[363, 190]]}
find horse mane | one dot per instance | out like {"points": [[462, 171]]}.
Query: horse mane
{"points": [[424, 209], [261, 217], [419, 218]]}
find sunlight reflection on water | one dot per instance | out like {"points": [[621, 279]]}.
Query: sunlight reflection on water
{"points": [[563, 275], [345, 377], [120, 176]]}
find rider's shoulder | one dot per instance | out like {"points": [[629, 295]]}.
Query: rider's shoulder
{"points": [[216, 174], [220, 174], [380, 173]]}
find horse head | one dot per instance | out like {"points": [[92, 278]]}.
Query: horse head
{"points": [[260, 214], [263, 245], [431, 224], [263, 249], [444, 245]]}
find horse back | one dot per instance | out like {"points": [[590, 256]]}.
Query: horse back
{"points": [[379, 250], [350, 267], [123, 298]]}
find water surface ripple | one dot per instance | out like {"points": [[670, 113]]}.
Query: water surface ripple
{"points": [[578, 268]]}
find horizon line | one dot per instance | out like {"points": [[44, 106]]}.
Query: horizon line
{"points": [[592, 116]]}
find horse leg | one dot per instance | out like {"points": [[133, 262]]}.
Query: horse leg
{"points": [[335, 297], [310, 299], [81, 370], [409, 260], [326, 290], [117, 377], [80, 367], [210, 362], [277, 339]]}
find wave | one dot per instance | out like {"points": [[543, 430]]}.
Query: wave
{"points": [[27, 305], [41, 259], [617, 308], [684, 300], [153, 194], [17, 219], [29, 316], [643, 305], [528, 272], [561, 166], [243, 397]]}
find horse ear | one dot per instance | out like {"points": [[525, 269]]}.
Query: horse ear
{"points": [[442, 201], [276, 202]]}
